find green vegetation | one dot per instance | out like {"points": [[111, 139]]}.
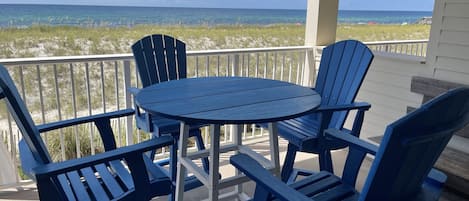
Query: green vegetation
{"points": [[378, 32], [62, 41]]}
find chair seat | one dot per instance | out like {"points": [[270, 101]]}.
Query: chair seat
{"points": [[108, 181], [324, 186], [302, 132]]}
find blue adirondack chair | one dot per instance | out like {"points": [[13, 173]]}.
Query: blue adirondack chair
{"points": [[103, 176], [161, 58], [401, 170], [342, 69]]}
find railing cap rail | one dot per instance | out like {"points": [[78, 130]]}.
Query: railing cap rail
{"points": [[129, 56], [394, 42], [65, 59]]}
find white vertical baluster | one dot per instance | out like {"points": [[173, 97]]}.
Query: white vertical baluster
{"points": [[74, 105], [59, 112], [257, 65], [90, 111], [207, 66], [103, 87], [116, 89], [128, 103]]}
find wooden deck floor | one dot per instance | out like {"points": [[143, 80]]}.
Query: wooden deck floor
{"points": [[29, 192]]}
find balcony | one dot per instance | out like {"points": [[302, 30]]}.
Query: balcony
{"points": [[58, 88]]}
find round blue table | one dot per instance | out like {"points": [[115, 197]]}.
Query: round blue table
{"points": [[225, 100]]}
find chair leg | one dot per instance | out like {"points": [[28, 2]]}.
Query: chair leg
{"points": [[325, 161], [172, 168], [287, 168], [261, 194], [190, 182], [201, 146]]}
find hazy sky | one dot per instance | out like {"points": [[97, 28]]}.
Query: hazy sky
{"points": [[414, 5]]}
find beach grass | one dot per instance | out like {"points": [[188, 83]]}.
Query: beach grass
{"points": [[42, 40]]}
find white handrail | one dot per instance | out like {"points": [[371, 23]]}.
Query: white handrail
{"points": [[129, 56], [99, 71], [392, 42]]}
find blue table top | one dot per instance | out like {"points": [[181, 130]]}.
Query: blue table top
{"points": [[228, 100]]}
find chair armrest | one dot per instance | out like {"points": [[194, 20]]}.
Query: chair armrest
{"points": [[328, 110], [28, 162], [143, 120], [82, 120], [123, 152], [101, 121], [264, 179], [132, 90], [351, 140], [352, 106]]}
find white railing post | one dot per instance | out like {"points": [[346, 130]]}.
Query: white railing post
{"points": [[405, 47], [309, 73], [128, 104], [234, 72], [235, 67]]}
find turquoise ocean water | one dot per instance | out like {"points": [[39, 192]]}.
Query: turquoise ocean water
{"points": [[28, 15]]}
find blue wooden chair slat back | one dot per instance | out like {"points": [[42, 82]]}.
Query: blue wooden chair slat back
{"points": [[412, 145], [25, 123], [181, 59], [156, 49], [143, 58], [160, 58], [342, 70], [170, 44]]}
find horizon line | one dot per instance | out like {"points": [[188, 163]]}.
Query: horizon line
{"points": [[154, 6]]}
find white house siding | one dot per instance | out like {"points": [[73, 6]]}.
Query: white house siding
{"points": [[449, 47], [387, 88]]}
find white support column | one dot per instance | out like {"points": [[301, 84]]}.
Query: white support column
{"points": [[321, 26], [321, 22], [435, 33]]}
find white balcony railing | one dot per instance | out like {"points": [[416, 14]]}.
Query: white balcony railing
{"points": [[57, 88], [406, 47]]}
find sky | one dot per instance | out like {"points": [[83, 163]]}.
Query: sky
{"points": [[412, 5]]}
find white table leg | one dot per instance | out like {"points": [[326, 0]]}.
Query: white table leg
{"points": [[181, 170], [214, 162], [237, 140], [274, 151]]}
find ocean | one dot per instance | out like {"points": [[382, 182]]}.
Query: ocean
{"points": [[111, 16]]}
